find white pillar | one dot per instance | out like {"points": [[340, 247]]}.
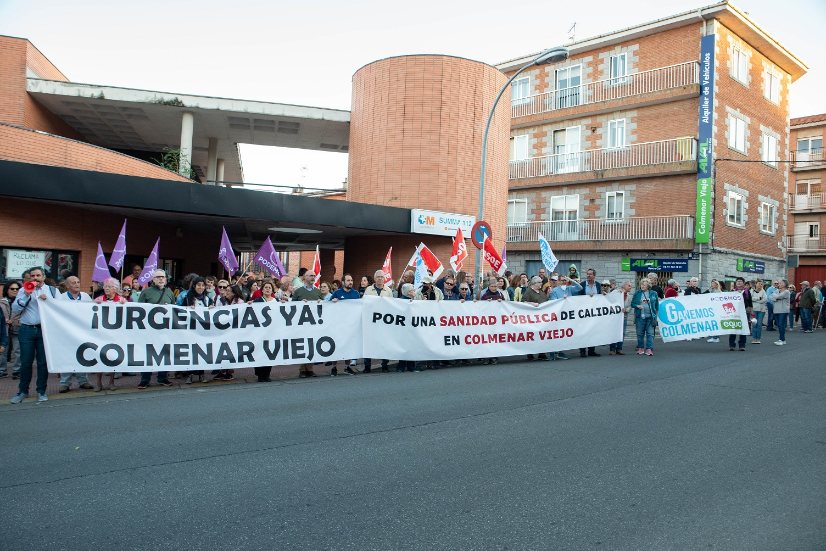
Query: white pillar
{"points": [[219, 173], [212, 161], [187, 125]]}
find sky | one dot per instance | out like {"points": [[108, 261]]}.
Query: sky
{"points": [[305, 52]]}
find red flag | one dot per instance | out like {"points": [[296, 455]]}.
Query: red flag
{"points": [[459, 250], [387, 268], [493, 258], [317, 269], [430, 261]]}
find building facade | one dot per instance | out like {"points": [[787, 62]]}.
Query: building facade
{"points": [[806, 245], [607, 147]]}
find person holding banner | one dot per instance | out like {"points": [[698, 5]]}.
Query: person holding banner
{"points": [[156, 293], [74, 294], [758, 301], [377, 289], [625, 291], [305, 293], [111, 294], [740, 287], [534, 295], [645, 305], [346, 292], [590, 288], [782, 300]]}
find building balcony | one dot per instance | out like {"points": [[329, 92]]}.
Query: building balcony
{"points": [[803, 244], [677, 156], [807, 203], [647, 87], [808, 160], [655, 232]]}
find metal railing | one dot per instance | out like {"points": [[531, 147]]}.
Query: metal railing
{"points": [[811, 159], [635, 84], [803, 243], [639, 154], [802, 201], [635, 228]]}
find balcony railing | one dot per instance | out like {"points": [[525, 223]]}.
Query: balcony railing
{"points": [[804, 243], [635, 84], [808, 159], [639, 154], [803, 201], [637, 228]]}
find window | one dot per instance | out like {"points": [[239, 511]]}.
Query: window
{"points": [[813, 229], [767, 215], [614, 205], [517, 211], [564, 215], [520, 91], [771, 86], [736, 207], [616, 133], [567, 150], [618, 68], [809, 147], [769, 150], [807, 195], [737, 133], [13, 261], [519, 148], [568, 84], [740, 66]]}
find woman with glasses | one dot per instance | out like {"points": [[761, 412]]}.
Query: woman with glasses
{"points": [[645, 305], [111, 294], [12, 353], [196, 297]]}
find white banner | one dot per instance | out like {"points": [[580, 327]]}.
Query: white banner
{"points": [[425, 330], [133, 337], [707, 315]]}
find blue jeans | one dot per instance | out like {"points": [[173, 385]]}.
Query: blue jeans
{"points": [[806, 319], [770, 322], [645, 328], [31, 345], [780, 320], [757, 330], [617, 346], [66, 378]]}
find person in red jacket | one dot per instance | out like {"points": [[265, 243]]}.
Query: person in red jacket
{"points": [[672, 290]]}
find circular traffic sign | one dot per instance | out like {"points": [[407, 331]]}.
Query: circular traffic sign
{"points": [[480, 231]]}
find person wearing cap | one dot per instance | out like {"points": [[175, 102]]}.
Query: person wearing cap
{"points": [[607, 286], [535, 295], [156, 293], [429, 291], [565, 287]]}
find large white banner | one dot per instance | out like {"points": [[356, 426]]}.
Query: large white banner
{"points": [[426, 330], [89, 337], [707, 315]]}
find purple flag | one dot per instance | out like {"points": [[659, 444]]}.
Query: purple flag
{"points": [[505, 254], [101, 271], [119, 252], [226, 256], [268, 258], [151, 265]]}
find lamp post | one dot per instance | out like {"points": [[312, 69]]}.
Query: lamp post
{"points": [[554, 55]]}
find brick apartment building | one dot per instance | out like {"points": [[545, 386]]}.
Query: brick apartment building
{"points": [[605, 156], [807, 209]]}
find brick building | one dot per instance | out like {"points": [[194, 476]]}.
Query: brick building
{"points": [[807, 209], [605, 158]]}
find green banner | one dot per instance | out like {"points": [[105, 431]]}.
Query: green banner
{"points": [[702, 221]]}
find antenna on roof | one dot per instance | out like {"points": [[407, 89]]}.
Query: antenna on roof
{"points": [[572, 33]]}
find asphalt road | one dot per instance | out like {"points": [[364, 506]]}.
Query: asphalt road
{"points": [[695, 448]]}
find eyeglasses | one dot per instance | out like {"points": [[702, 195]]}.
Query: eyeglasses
{"points": [[13, 288], [464, 288], [127, 289], [449, 284], [222, 286]]}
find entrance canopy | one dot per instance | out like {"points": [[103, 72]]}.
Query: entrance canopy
{"points": [[129, 119]]}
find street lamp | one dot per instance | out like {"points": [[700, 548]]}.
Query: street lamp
{"points": [[554, 55]]}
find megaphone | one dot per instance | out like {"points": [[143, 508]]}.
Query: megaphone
{"points": [[29, 287]]}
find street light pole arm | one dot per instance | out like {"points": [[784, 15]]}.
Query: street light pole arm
{"points": [[481, 211]]}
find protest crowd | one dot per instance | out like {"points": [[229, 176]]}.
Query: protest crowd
{"points": [[776, 308]]}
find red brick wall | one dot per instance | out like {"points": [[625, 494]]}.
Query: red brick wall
{"points": [[89, 227], [756, 177], [416, 136], [12, 79], [27, 146]]}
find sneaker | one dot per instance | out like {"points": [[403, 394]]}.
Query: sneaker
{"points": [[742, 349], [731, 349], [779, 343], [649, 352], [710, 339], [17, 398], [63, 388], [755, 341], [561, 356], [353, 363], [619, 353], [640, 351], [42, 398], [3, 374], [188, 380], [142, 386], [164, 383], [349, 370], [86, 386], [15, 376]]}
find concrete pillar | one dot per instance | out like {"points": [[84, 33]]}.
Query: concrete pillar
{"points": [[187, 125], [212, 161], [219, 171]]}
